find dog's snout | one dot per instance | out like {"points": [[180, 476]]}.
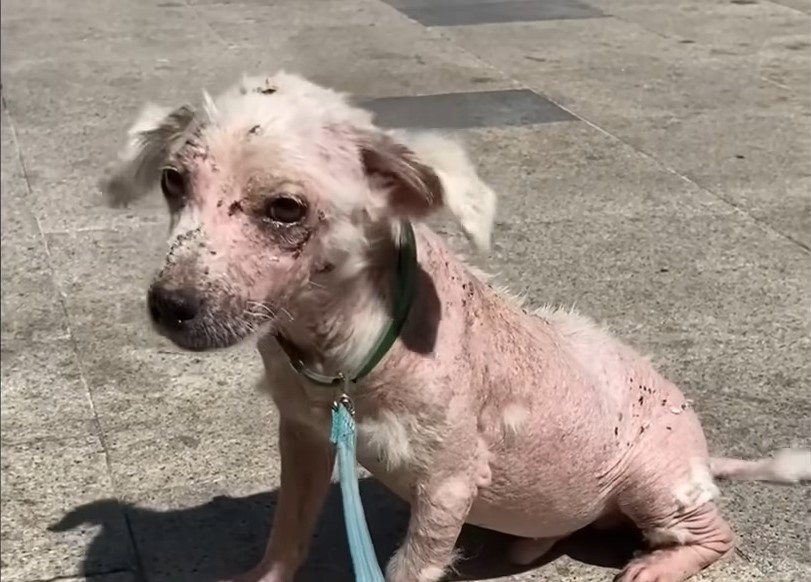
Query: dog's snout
{"points": [[172, 308]]}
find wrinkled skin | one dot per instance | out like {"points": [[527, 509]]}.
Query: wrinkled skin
{"points": [[286, 203]]}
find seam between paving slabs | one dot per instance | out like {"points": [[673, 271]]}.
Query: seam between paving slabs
{"points": [[80, 363], [787, 7], [197, 15], [762, 224]]}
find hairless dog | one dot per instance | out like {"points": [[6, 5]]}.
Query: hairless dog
{"points": [[288, 209]]}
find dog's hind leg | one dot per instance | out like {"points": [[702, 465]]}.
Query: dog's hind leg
{"points": [[681, 547], [673, 507]]}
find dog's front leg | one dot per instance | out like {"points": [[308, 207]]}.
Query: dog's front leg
{"points": [[307, 462], [439, 508]]}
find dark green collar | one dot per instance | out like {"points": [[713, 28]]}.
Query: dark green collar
{"points": [[405, 284]]}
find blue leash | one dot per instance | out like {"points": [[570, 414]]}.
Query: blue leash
{"points": [[342, 434], [364, 559]]}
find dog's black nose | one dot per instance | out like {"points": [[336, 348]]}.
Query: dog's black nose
{"points": [[172, 308]]}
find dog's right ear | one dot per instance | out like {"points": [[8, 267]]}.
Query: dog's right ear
{"points": [[150, 141], [424, 171]]}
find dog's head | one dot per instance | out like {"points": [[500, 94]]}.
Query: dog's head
{"points": [[276, 184]]}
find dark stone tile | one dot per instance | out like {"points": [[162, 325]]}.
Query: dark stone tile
{"points": [[511, 107], [466, 12]]}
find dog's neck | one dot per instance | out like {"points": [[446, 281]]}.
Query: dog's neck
{"points": [[334, 328]]}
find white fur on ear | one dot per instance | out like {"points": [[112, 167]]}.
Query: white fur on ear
{"points": [[209, 106], [465, 195], [140, 161]]}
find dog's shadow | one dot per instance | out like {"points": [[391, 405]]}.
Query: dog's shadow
{"points": [[226, 536]]}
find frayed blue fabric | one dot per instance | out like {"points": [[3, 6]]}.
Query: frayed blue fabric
{"points": [[364, 559]]}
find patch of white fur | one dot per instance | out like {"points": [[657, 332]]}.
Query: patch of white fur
{"points": [[184, 222], [401, 568], [209, 106], [787, 466], [367, 321], [571, 323], [129, 179], [148, 119], [386, 438], [431, 574], [477, 272], [301, 113], [514, 298], [503, 291], [699, 489], [662, 537], [452, 493], [791, 465], [519, 300], [466, 196], [513, 418]]}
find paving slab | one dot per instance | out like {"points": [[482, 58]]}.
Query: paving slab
{"points": [[742, 285], [44, 395], [141, 382], [124, 261], [766, 180], [657, 91], [16, 219], [399, 57], [725, 27], [42, 481], [573, 171], [651, 158], [31, 305]]}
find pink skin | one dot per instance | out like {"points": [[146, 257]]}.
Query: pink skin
{"points": [[534, 424]]}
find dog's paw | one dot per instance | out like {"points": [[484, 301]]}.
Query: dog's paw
{"points": [[262, 573]]}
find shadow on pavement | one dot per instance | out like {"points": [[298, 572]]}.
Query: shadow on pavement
{"points": [[226, 536]]}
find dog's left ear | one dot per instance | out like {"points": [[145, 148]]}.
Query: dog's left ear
{"points": [[424, 172], [149, 143]]}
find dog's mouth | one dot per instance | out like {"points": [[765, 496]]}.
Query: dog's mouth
{"points": [[205, 333], [194, 325]]}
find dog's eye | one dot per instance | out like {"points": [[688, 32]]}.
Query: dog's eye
{"points": [[285, 209], [173, 185]]}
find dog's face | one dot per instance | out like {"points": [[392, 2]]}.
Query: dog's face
{"points": [[275, 189], [248, 219]]}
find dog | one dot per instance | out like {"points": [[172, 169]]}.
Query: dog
{"points": [[296, 220]]}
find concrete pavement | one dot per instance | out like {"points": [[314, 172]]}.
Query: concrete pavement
{"points": [[652, 158]]}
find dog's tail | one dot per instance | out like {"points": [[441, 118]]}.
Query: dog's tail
{"points": [[786, 466]]}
